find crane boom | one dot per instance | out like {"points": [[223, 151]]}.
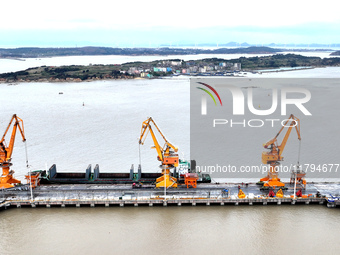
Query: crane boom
{"points": [[146, 125], [275, 151], [166, 154], [7, 180]]}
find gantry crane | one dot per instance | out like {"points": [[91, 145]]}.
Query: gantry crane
{"points": [[273, 156], [166, 154], [6, 179]]}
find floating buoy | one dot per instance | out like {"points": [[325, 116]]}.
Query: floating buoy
{"points": [[241, 194], [279, 194]]}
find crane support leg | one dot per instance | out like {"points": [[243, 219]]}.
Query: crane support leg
{"points": [[264, 179], [7, 180], [274, 183], [166, 180], [272, 179]]}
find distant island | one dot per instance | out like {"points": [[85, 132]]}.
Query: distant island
{"points": [[290, 46], [335, 53], [35, 52], [160, 68]]}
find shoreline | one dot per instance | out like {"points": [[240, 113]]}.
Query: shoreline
{"points": [[277, 70], [239, 75], [13, 83], [13, 58], [208, 67]]}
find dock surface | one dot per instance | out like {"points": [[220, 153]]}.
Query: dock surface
{"points": [[78, 195]]}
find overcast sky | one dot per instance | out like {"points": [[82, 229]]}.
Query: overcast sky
{"points": [[110, 23]]}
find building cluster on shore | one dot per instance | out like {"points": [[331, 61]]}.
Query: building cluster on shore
{"points": [[178, 67]]}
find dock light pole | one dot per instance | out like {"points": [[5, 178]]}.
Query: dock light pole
{"points": [[165, 188], [29, 170], [295, 186], [31, 184]]}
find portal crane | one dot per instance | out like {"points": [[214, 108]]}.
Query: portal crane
{"points": [[166, 154], [273, 156], [6, 179]]}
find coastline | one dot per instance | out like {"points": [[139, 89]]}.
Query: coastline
{"points": [[13, 58], [155, 69], [243, 74]]}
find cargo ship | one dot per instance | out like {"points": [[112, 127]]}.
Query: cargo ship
{"points": [[52, 176]]}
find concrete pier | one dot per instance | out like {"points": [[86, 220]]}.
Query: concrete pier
{"points": [[176, 202], [331, 205], [123, 195]]}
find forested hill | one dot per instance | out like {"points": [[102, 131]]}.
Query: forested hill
{"points": [[34, 52]]}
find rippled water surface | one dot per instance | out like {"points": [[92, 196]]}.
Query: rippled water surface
{"points": [[100, 122], [305, 229]]}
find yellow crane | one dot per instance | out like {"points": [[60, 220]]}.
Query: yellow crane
{"points": [[273, 156], [6, 179], [166, 154]]}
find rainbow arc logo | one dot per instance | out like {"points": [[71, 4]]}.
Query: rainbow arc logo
{"points": [[209, 93]]}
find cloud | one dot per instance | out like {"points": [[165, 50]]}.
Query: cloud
{"points": [[104, 14], [155, 36], [147, 22]]}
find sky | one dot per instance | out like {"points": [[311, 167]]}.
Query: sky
{"points": [[65, 23]]}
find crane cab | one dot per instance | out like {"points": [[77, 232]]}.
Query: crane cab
{"points": [[171, 160]]}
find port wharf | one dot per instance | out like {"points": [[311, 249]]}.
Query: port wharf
{"points": [[91, 195]]}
